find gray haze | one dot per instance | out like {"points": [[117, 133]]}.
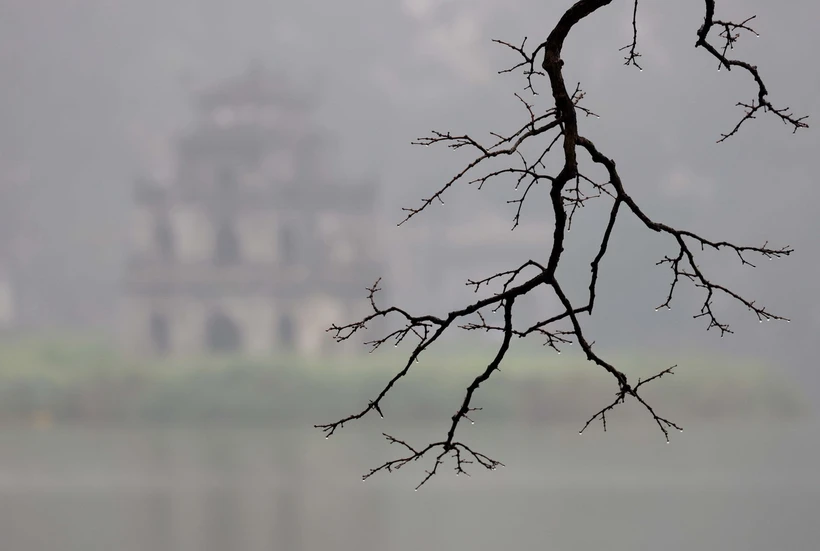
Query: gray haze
{"points": [[93, 95]]}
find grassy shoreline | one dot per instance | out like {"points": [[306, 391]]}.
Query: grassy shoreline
{"points": [[47, 381]]}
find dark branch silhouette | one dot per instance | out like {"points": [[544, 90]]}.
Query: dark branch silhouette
{"points": [[569, 189]]}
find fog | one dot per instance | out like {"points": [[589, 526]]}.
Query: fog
{"points": [[124, 424]]}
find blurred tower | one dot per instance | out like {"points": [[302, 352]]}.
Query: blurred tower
{"points": [[255, 247]]}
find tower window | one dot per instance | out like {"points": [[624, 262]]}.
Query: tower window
{"points": [[226, 180], [287, 245], [164, 239], [287, 332], [227, 246], [160, 334]]}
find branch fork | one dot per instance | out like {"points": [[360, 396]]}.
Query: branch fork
{"points": [[569, 190]]}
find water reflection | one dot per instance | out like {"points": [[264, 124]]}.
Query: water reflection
{"points": [[715, 487]]}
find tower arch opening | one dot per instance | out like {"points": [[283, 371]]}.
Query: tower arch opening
{"points": [[160, 333], [222, 334], [286, 334]]}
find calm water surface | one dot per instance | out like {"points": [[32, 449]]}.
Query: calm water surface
{"points": [[723, 486]]}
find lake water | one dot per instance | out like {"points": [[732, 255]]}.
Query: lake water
{"points": [[722, 486]]}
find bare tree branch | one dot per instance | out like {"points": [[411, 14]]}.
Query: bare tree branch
{"points": [[633, 55], [569, 190], [730, 35]]}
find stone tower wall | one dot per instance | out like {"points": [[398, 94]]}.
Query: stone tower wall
{"points": [[260, 324]]}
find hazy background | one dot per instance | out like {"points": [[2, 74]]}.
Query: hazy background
{"points": [[94, 94]]}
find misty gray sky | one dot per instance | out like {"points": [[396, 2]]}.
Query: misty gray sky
{"points": [[94, 91]]}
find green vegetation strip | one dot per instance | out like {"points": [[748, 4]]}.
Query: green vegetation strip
{"points": [[84, 380]]}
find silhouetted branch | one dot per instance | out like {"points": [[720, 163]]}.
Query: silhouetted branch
{"points": [[633, 55], [569, 190], [730, 35]]}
